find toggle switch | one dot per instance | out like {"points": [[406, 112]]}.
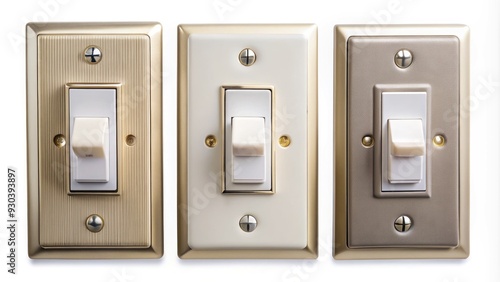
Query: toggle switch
{"points": [[90, 143], [249, 159], [248, 140], [92, 118], [406, 147], [403, 123]]}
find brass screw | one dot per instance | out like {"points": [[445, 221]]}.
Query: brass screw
{"points": [[59, 140], [439, 140], [210, 141], [284, 141], [367, 141], [130, 140]]}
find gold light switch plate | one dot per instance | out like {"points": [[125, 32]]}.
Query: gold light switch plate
{"points": [[130, 62], [380, 218]]}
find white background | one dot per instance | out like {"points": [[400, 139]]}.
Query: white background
{"points": [[481, 16]]}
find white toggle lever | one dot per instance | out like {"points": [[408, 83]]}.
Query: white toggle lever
{"points": [[90, 143], [248, 148], [407, 148]]}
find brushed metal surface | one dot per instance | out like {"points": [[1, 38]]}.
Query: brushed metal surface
{"points": [[126, 61], [342, 250], [131, 59], [371, 71]]}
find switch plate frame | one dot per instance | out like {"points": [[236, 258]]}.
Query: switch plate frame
{"points": [[308, 31], [39, 108], [342, 251]]}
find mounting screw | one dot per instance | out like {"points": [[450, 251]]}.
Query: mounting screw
{"points": [[210, 141], [403, 58], [248, 223], [59, 140], [439, 140], [92, 55], [367, 141], [247, 57], [402, 223], [284, 141], [94, 223]]}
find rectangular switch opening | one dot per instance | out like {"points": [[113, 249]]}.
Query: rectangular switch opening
{"points": [[92, 139], [247, 121], [400, 125]]}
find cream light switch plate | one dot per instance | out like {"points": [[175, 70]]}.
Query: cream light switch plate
{"points": [[94, 140], [247, 141], [402, 148]]}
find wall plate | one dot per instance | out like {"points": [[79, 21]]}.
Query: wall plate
{"points": [[213, 59], [118, 59], [427, 217]]}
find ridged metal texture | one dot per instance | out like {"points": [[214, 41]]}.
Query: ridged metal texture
{"points": [[125, 61]]}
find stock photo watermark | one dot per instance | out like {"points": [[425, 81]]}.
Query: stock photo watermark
{"points": [[46, 11], [121, 275], [305, 269], [12, 224], [222, 7]]}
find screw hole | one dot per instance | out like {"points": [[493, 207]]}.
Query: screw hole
{"points": [[439, 140], [59, 140], [130, 140], [285, 141], [367, 141], [210, 141]]}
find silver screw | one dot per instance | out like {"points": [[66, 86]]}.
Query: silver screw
{"points": [[247, 57], [248, 223], [92, 55], [403, 223], [403, 58], [94, 223]]}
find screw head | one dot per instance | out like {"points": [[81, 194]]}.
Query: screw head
{"points": [[94, 223], [403, 223], [439, 140], [92, 55], [367, 141], [403, 58], [59, 140], [248, 223], [247, 57], [284, 141], [210, 141]]}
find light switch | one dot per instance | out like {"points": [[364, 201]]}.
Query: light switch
{"points": [[403, 166], [94, 117], [248, 136], [401, 145], [93, 154], [406, 149], [247, 141]]}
